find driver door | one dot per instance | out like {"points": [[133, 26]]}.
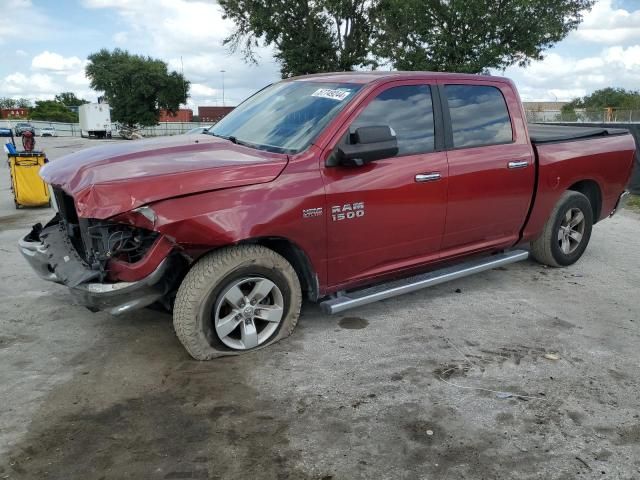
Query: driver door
{"points": [[388, 214]]}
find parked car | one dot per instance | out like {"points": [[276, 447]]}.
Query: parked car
{"points": [[197, 130], [48, 132], [5, 132], [321, 187], [23, 127]]}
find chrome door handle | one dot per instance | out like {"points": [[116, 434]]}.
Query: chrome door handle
{"points": [[518, 164], [428, 177]]}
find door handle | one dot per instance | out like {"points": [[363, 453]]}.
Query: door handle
{"points": [[428, 177], [521, 164]]}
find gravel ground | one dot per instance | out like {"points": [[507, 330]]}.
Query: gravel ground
{"points": [[408, 388]]}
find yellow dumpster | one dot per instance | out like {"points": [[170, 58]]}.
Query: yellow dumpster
{"points": [[29, 190]]}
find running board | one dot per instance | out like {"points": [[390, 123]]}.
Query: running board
{"points": [[411, 284]]}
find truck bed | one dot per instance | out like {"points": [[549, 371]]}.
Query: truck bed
{"points": [[570, 156], [545, 133]]}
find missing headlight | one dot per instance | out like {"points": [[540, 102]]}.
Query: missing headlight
{"points": [[107, 240]]}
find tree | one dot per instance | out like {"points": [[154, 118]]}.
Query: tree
{"points": [[471, 36], [52, 111], [309, 35], [442, 35], [6, 102], [617, 98], [23, 103], [136, 87], [69, 99]]}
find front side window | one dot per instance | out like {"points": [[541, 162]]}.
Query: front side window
{"points": [[408, 110], [479, 115], [285, 117]]}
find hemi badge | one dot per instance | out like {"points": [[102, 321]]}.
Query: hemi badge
{"points": [[312, 212]]}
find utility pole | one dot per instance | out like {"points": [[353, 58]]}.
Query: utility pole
{"points": [[222, 72]]}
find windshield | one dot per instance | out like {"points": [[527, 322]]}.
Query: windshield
{"points": [[285, 117]]}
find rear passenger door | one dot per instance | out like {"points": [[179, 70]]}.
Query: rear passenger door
{"points": [[491, 166]]}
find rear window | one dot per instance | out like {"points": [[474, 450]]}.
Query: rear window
{"points": [[479, 115]]}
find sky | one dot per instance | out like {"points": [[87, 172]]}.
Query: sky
{"points": [[49, 55]]}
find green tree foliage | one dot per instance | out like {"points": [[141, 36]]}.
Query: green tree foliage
{"points": [[69, 99], [617, 98], [136, 87], [441, 35], [23, 103], [472, 36], [6, 102], [52, 111], [309, 36]]}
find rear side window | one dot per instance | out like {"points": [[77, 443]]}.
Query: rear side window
{"points": [[408, 110], [479, 115]]}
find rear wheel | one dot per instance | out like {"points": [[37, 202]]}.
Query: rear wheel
{"points": [[235, 300], [567, 232]]}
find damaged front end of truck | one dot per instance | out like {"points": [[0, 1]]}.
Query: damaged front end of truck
{"points": [[110, 265]]}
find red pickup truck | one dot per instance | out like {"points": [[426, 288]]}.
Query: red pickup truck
{"points": [[345, 188]]}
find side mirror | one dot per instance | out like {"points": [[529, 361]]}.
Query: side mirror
{"points": [[368, 144]]}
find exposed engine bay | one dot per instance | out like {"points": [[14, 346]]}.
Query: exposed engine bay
{"points": [[96, 242]]}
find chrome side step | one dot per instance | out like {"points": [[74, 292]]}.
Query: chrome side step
{"points": [[411, 284]]}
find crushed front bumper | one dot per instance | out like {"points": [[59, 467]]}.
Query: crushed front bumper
{"points": [[54, 258]]}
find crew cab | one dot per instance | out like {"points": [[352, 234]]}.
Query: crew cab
{"points": [[343, 188]]}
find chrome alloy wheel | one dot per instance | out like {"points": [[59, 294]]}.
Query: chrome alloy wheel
{"points": [[248, 312], [571, 231]]}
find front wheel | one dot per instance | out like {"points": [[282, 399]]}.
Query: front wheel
{"points": [[567, 232], [235, 300]]}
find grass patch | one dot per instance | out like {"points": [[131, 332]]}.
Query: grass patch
{"points": [[634, 203]]}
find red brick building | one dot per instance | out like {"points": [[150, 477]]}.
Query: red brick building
{"points": [[14, 112], [213, 114], [182, 115]]}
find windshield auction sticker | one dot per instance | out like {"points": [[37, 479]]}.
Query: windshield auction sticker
{"points": [[331, 94]]}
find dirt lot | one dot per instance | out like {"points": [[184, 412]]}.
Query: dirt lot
{"points": [[406, 388]]}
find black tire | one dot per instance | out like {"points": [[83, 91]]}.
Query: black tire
{"points": [[202, 287], [546, 249]]}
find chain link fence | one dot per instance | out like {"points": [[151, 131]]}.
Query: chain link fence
{"points": [[73, 129], [584, 116]]}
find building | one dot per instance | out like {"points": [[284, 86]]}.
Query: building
{"points": [[14, 112], [182, 115], [543, 111], [213, 114], [543, 106]]}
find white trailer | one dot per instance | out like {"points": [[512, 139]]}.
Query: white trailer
{"points": [[95, 120]]}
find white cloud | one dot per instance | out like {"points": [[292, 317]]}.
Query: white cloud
{"points": [[189, 35], [172, 25], [609, 25], [41, 86], [55, 62], [38, 84], [121, 38], [78, 79], [22, 13], [565, 77], [200, 90]]}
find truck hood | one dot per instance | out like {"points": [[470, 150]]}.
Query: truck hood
{"points": [[112, 179]]}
